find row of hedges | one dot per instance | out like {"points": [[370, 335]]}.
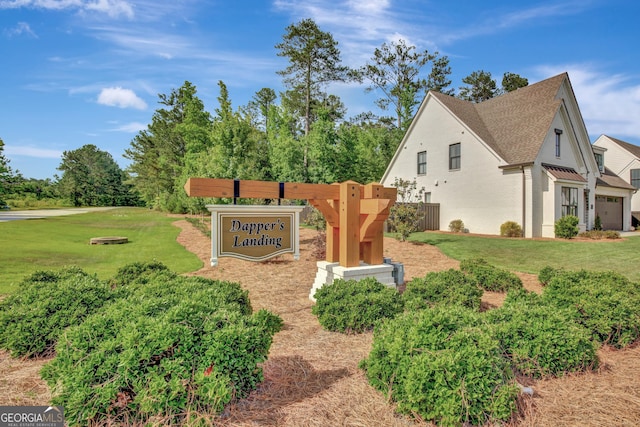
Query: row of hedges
{"points": [[565, 227], [158, 346], [447, 362], [352, 306]]}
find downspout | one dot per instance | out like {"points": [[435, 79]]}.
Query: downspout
{"points": [[573, 129]]}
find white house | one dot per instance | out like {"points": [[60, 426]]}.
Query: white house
{"points": [[622, 159], [524, 156]]}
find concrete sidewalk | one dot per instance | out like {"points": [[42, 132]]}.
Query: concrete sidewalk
{"points": [[45, 213]]}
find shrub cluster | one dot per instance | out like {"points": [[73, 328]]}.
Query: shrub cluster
{"points": [[44, 305], [445, 362], [146, 346], [547, 273], [136, 271], [541, 340], [175, 345], [489, 277], [511, 229], [567, 227], [441, 364], [606, 303], [446, 287], [352, 306], [456, 226], [600, 234]]}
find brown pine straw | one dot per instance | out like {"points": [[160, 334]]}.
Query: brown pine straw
{"points": [[311, 377]]}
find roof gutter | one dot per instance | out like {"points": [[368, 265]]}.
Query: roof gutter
{"points": [[516, 165]]}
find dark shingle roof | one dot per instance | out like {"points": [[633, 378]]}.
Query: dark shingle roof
{"points": [[633, 149], [515, 124], [610, 179]]}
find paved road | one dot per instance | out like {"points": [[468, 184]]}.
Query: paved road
{"points": [[44, 213]]}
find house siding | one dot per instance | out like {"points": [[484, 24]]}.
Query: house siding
{"points": [[620, 162], [481, 194], [506, 142], [572, 155]]}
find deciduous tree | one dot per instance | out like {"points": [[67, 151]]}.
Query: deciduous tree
{"points": [[90, 177], [5, 175]]}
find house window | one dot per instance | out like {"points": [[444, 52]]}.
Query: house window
{"points": [[600, 161], [569, 201], [454, 156], [635, 177], [422, 163], [558, 134], [427, 197]]}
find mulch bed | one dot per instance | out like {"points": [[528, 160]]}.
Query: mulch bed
{"points": [[312, 378]]}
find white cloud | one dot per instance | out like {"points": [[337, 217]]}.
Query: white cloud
{"points": [[43, 153], [119, 97], [20, 29], [609, 103], [112, 8], [369, 6], [133, 127]]}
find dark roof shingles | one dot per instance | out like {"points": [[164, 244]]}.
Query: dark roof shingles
{"points": [[610, 179], [515, 124]]}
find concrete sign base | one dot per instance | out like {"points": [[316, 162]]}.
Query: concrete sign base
{"points": [[329, 271]]}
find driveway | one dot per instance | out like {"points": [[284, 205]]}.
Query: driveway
{"points": [[45, 213]]}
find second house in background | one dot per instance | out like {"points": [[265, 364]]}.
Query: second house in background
{"points": [[524, 156]]}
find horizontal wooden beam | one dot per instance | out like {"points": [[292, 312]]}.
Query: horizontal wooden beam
{"points": [[219, 187]]}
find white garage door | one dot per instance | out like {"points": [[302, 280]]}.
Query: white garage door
{"points": [[609, 209]]}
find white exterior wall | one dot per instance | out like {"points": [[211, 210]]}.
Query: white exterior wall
{"points": [[572, 155], [481, 194], [620, 162]]}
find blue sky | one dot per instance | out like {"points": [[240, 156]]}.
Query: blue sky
{"points": [[76, 72]]}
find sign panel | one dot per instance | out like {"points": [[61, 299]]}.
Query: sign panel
{"points": [[254, 233]]}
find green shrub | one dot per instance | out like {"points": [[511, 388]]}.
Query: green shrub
{"points": [[547, 273], [352, 306], [456, 226], [442, 365], [489, 277], [44, 305], [597, 223], [511, 229], [135, 271], [606, 303], [446, 287], [567, 227], [177, 346], [405, 215], [541, 340], [316, 219]]}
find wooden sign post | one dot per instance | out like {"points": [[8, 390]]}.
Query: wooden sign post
{"points": [[354, 213]]}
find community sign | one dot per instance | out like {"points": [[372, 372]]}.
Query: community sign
{"points": [[254, 233]]}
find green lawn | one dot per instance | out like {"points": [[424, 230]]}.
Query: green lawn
{"points": [[52, 243], [529, 256]]}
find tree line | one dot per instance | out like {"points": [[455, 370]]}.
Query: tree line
{"points": [[301, 134]]}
